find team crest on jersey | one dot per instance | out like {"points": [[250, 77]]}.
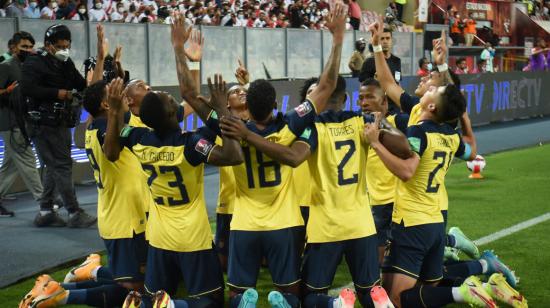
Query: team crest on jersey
{"points": [[203, 147], [303, 109]]}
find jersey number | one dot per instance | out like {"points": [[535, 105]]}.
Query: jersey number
{"points": [[178, 182], [437, 155], [95, 166], [342, 164], [262, 165]]}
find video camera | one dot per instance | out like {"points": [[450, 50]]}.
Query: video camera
{"points": [[66, 113]]}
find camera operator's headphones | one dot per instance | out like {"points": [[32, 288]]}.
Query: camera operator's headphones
{"points": [[57, 32]]}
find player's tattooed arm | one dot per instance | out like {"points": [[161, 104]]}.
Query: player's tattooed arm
{"points": [[292, 155], [115, 119], [180, 33], [230, 153], [468, 134], [403, 168], [327, 82], [102, 51], [383, 72]]}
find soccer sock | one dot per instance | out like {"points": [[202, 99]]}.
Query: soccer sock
{"points": [[81, 285], [463, 269], [235, 300], [363, 296], [426, 296], [102, 274], [484, 266], [103, 296], [179, 303], [451, 241], [451, 282], [318, 300], [292, 299]]}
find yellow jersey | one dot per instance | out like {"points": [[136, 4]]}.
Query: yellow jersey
{"points": [[178, 220], [381, 183], [302, 181], [418, 201], [339, 202], [266, 196], [226, 196], [135, 121], [122, 192]]}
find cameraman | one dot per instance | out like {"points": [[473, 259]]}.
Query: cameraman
{"points": [[18, 154], [49, 77]]}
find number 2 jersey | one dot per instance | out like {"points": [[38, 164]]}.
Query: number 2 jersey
{"points": [[339, 203], [178, 220], [418, 201], [123, 195], [266, 196]]}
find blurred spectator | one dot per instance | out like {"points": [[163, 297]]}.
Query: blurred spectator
{"points": [[16, 8], [391, 12], [81, 13], [470, 31], [132, 16], [481, 67], [488, 54], [400, 4], [424, 67], [65, 9], [456, 26], [354, 14], [540, 57], [118, 14], [97, 13], [461, 66], [8, 54], [358, 57], [48, 12], [33, 10]]}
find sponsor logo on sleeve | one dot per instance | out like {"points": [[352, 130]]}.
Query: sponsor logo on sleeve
{"points": [[203, 147], [303, 109]]}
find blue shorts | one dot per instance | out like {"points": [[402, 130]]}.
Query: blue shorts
{"points": [[200, 271], [221, 240], [416, 251], [281, 248], [322, 259], [304, 210], [127, 257], [382, 221]]}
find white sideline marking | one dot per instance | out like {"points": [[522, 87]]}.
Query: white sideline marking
{"points": [[480, 241]]}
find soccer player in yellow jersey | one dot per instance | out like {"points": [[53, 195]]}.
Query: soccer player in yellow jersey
{"points": [[381, 182], [226, 198]]}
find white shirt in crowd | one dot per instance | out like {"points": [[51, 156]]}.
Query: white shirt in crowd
{"points": [[116, 16], [97, 15], [48, 12]]}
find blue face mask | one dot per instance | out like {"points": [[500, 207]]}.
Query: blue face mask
{"points": [[430, 67]]}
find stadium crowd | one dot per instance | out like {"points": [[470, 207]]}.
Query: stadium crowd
{"points": [[307, 14], [298, 191]]}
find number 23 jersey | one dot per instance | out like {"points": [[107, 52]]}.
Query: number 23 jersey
{"points": [[178, 221]]}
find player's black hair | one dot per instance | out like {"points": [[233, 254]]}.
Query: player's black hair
{"points": [[455, 78], [93, 96], [372, 82], [21, 35], [453, 104], [340, 92], [305, 87], [153, 113], [261, 99], [421, 61]]}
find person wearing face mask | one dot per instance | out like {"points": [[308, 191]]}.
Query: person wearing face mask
{"points": [[32, 11], [48, 12], [97, 13], [358, 57], [49, 79], [424, 68], [18, 154], [16, 8], [66, 9], [118, 15], [81, 13]]}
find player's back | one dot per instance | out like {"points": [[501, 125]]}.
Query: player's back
{"points": [[418, 201], [174, 165], [123, 195], [340, 208], [266, 198]]}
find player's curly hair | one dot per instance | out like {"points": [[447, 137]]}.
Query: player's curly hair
{"points": [[453, 104], [261, 99], [339, 93], [93, 96], [306, 86]]}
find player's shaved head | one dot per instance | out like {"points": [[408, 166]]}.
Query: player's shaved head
{"points": [[136, 91]]}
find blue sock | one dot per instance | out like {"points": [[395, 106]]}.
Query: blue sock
{"points": [[318, 300], [77, 297], [426, 296], [104, 274], [292, 300], [81, 285], [179, 303], [463, 269], [235, 300], [363, 295], [104, 296], [451, 241]]}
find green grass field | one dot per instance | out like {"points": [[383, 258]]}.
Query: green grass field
{"points": [[515, 189]]}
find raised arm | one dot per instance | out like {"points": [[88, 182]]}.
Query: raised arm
{"points": [[292, 155], [327, 82], [439, 53], [115, 120], [102, 50], [383, 72], [468, 134]]}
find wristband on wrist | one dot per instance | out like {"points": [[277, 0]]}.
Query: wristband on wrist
{"points": [[442, 68], [377, 48], [194, 66]]}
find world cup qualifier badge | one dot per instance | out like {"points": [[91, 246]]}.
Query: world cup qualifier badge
{"points": [[303, 109], [203, 146]]}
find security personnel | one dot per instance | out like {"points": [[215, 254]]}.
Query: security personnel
{"points": [[49, 77]]}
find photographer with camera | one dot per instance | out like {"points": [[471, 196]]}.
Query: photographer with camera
{"points": [[48, 81], [18, 154]]}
